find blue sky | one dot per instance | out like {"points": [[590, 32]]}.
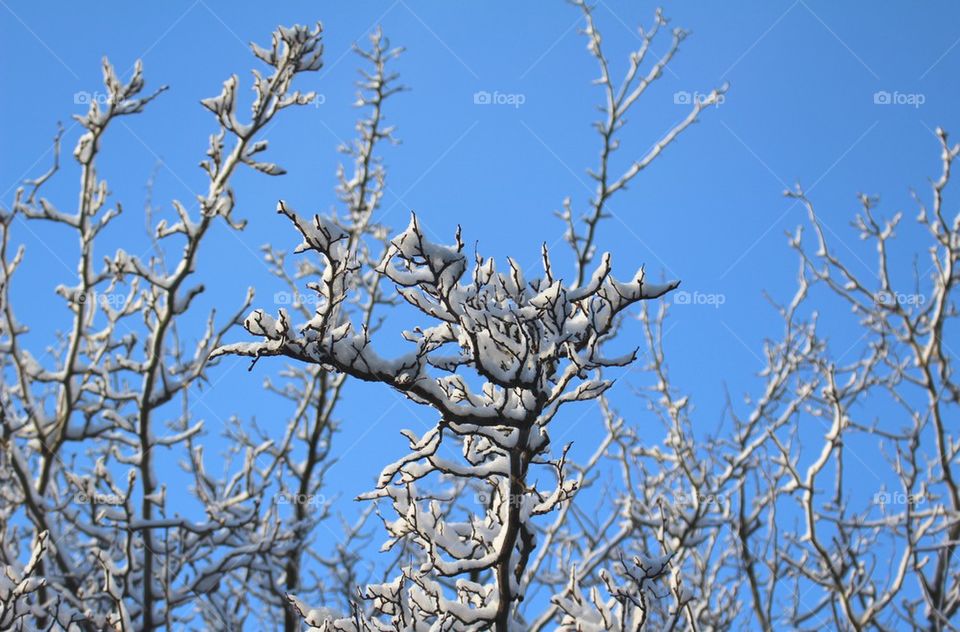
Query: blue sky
{"points": [[802, 107]]}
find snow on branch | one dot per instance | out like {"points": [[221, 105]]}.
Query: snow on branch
{"points": [[536, 344]]}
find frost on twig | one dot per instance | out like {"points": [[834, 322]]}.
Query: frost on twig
{"points": [[300, 458], [618, 99], [832, 499], [85, 422], [17, 587], [535, 345], [497, 356]]}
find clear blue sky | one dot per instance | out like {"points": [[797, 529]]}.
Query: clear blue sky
{"points": [[801, 108]]}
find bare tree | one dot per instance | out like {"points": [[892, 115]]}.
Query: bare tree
{"points": [[83, 424], [490, 524], [759, 525], [887, 560], [299, 460], [536, 347], [699, 533], [502, 356]]}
